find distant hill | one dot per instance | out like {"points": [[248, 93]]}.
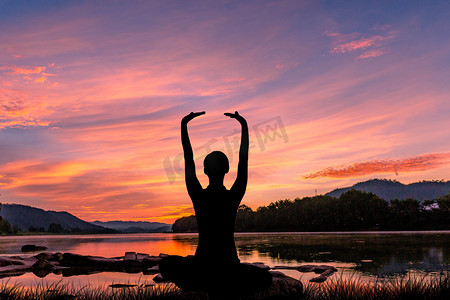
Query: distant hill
{"points": [[135, 226], [24, 217], [392, 189]]}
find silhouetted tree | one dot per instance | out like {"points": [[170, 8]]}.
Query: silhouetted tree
{"points": [[76, 230], [185, 224], [361, 211], [444, 203], [5, 227], [405, 214], [15, 229], [245, 219], [55, 228]]}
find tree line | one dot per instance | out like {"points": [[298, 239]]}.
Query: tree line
{"points": [[353, 211]]}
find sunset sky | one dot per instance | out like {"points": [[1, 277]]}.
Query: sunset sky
{"points": [[334, 92]]}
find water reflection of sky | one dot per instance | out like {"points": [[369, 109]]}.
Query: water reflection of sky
{"points": [[377, 253], [367, 254]]}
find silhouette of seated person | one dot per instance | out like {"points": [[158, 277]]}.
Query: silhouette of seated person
{"points": [[215, 267]]}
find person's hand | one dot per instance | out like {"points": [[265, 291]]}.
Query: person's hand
{"points": [[236, 116], [191, 116]]}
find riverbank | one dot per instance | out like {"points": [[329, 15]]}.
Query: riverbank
{"points": [[424, 287]]}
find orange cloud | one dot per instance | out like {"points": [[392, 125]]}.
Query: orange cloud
{"points": [[27, 73], [411, 164], [171, 213], [40, 79], [26, 70], [14, 113], [5, 180]]}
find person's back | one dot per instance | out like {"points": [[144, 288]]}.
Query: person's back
{"points": [[216, 211]]}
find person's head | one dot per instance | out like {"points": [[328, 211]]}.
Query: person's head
{"points": [[216, 164]]}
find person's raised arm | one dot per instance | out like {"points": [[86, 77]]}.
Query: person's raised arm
{"points": [[192, 183], [240, 184]]}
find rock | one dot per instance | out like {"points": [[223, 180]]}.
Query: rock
{"points": [[141, 256], [103, 260], [43, 255], [71, 259], [328, 273], [43, 264], [130, 256], [16, 257], [306, 268], [318, 279], [158, 279], [55, 257], [79, 261], [283, 286], [4, 261], [15, 266], [89, 264], [322, 268], [151, 261], [153, 269], [31, 248], [163, 255]]}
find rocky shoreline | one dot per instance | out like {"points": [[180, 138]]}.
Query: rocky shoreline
{"points": [[70, 264]]}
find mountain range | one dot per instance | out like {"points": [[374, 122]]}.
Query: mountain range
{"points": [[23, 217], [134, 226], [392, 189]]}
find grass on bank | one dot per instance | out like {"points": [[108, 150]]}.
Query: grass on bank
{"points": [[410, 287], [337, 288]]}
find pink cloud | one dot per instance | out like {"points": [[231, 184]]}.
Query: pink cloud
{"points": [[12, 106], [344, 43], [234, 79], [411, 164], [362, 43], [371, 53]]}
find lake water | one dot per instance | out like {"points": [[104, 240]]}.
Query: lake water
{"points": [[367, 254]]}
